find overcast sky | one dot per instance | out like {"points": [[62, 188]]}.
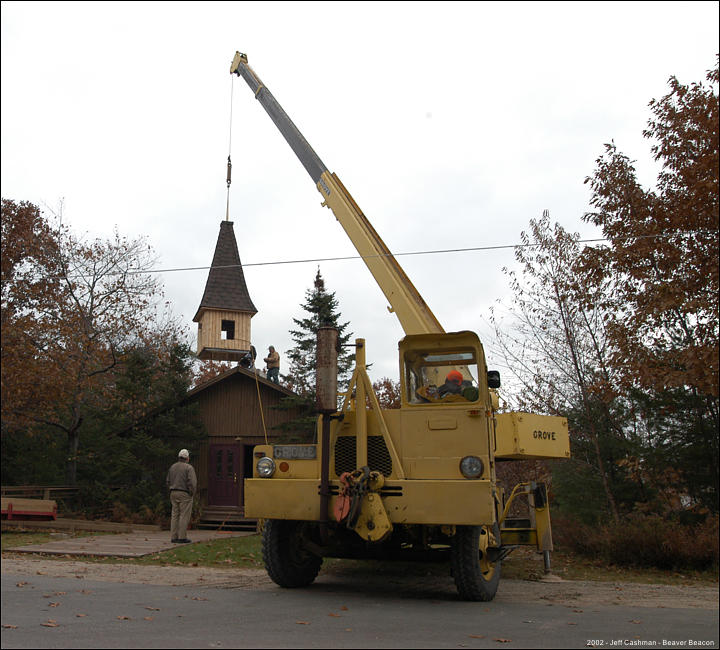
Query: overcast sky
{"points": [[451, 124]]}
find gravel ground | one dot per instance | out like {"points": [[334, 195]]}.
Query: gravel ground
{"points": [[567, 592]]}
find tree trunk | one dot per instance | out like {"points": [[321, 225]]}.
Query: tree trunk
{"points": [[73, 444]]}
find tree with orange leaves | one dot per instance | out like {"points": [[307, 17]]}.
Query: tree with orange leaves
{"points": [[662, 259], [659, 274], [622, 338], [71, 312]]}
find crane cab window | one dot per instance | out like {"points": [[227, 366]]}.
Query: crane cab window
{"points": [[441, 377]]}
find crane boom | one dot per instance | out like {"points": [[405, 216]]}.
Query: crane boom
{"points": [[405, 301]]}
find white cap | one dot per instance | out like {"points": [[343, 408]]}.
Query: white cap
{"points": [[183, 453]]}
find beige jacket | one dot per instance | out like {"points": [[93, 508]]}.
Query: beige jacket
{"points": [[272, 360], [181, 476]]}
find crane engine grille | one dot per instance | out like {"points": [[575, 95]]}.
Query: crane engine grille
{"points": [[378, 456]]}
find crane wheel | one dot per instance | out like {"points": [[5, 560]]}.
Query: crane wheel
{"points": [[287, 560], [476, 577]]}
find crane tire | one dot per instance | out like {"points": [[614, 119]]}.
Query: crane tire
{"points": [[287, 561], [476, 578]]}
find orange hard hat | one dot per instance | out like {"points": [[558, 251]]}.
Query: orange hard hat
{"points": [[455, 376]]}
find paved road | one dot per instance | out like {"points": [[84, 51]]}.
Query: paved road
{"points": [[67, 612]]}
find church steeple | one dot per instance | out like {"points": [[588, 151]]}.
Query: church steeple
{"points": [[225, 310]]}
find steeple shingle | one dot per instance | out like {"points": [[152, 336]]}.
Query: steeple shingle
{"points": [[225, 288]]}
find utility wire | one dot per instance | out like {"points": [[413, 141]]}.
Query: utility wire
{"points": [[407, 254]]}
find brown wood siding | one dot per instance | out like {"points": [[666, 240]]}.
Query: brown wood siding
{"points": [[232, 408], [210, 328]]}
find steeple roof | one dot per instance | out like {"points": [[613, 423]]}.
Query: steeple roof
{"points": [[225, 287]]}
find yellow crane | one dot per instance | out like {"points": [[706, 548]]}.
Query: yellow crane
{"points": [[414, 482]]}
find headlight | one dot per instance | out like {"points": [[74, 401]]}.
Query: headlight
{"points": [[265, 467], [471, 467]]}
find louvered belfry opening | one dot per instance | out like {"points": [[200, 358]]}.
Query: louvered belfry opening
{"points": [[225, 310]]}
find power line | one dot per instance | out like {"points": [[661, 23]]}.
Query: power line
{"points": [[406, 254]]}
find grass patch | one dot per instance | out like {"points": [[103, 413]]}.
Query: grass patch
{"points": [[23, 539], [27, 538], [232, 552]]}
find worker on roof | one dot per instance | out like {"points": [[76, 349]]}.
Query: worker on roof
{"points": [[273, 365]]}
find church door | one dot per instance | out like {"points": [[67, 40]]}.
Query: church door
{"points": [[224, 477]]}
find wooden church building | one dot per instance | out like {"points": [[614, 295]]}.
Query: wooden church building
{"points": [[238, 406]]}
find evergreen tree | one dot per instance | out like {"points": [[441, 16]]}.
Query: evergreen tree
{"points": [[322, 311]]}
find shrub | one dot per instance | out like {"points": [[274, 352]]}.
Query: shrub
{"points": [[644, 541]]}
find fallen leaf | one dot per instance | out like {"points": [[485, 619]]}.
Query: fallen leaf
{"points": [[50, 623], [198, 598], [153, 609], [54, 604], [578, 611], [148, 618], [85, 591], [124, 618], [502, 640], [635, 622], [80, 615], [476, 636], [302, 622], [21, 584], [7, 626], [343, 608], [334, 615], [40, 573], [60, 593]]}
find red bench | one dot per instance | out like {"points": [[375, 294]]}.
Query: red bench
{"points": [[19, 508]]}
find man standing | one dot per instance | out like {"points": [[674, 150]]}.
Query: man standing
{"points": [[273, 365], [182, 483]]}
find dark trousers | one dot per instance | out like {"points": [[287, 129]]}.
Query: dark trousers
{"points": [[272, 374]]}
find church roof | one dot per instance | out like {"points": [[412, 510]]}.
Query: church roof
{"points": [[225, 287]]}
